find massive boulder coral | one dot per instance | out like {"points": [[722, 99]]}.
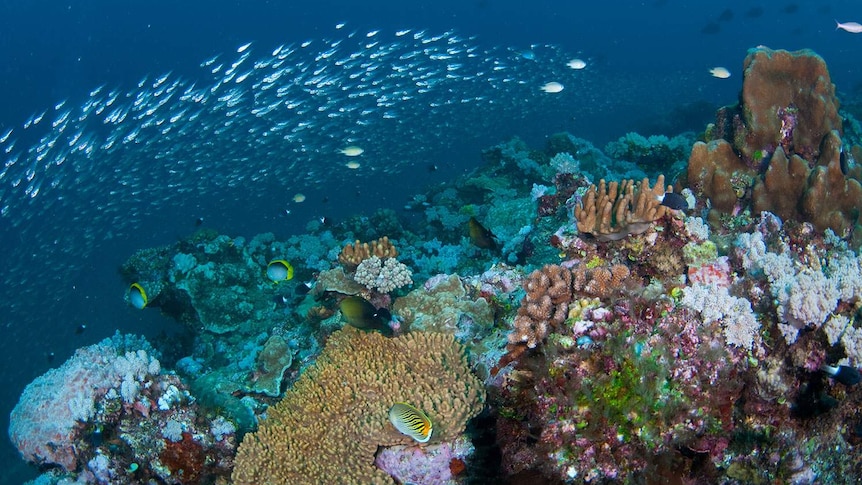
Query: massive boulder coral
{"points": [[330, 424], [779, 149], [787, 100]]}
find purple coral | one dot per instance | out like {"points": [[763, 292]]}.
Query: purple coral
{"points": [[437, 464], [788, 124]]}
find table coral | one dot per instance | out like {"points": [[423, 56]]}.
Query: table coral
{"points": [[330, 424]]}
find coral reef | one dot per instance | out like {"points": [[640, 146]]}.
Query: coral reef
{"points": [[331, 422], [689, 350]]}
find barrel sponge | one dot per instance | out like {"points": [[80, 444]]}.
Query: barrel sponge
{"points": [[329, 425]]}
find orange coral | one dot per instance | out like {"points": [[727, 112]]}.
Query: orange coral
{"points": [[353, 254], [550, 291], [615, 210]]}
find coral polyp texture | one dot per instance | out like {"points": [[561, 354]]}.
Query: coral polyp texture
{"points": [[779, 149], [332, 421], [615, 210], [384, 275]]}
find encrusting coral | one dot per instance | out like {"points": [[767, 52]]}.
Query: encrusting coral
{"points": [[330, 424], [353, 254], [618, 209]]}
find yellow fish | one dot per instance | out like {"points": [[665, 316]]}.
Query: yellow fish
{"points": [[411, 421]]}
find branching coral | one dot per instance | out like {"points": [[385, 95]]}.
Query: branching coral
{"points": [[353, 254], [329, 425], [383, 275], [615, 210]]}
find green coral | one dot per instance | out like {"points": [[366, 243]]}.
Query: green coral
{"points": [[697, 254]]}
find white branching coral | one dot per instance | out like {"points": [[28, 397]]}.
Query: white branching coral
{"points": [[717, 304], [383, 275]]}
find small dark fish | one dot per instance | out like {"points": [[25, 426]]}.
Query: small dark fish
{"points": [[199, 222], [791, 8], [80, 329], [50, 356], [843, 162], [674, 201], [754, 12], [480, 236], [849, 376], [726, 16], [432, 167], [361, 314], [711, 28], [303, 288]]}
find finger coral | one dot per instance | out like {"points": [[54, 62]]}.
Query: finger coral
{"points": [[353, 254], [329, 425], [615, 210], [551, 289]]}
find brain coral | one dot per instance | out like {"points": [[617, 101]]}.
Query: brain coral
{"points": [[330, 424]]}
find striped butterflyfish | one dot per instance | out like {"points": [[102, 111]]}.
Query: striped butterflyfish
{"points": [[411, 421]]}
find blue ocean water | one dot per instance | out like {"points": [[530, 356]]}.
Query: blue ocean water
{"points": [[62, 247]]}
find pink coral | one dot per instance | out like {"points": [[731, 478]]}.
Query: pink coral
{"points": [[54, 408], [429, 465]]}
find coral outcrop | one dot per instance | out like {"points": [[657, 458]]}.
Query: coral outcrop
{"points": [[110, 414], [330, 424], [779, 149]]}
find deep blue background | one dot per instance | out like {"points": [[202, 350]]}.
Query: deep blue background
{"points": [[50, 51]]}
